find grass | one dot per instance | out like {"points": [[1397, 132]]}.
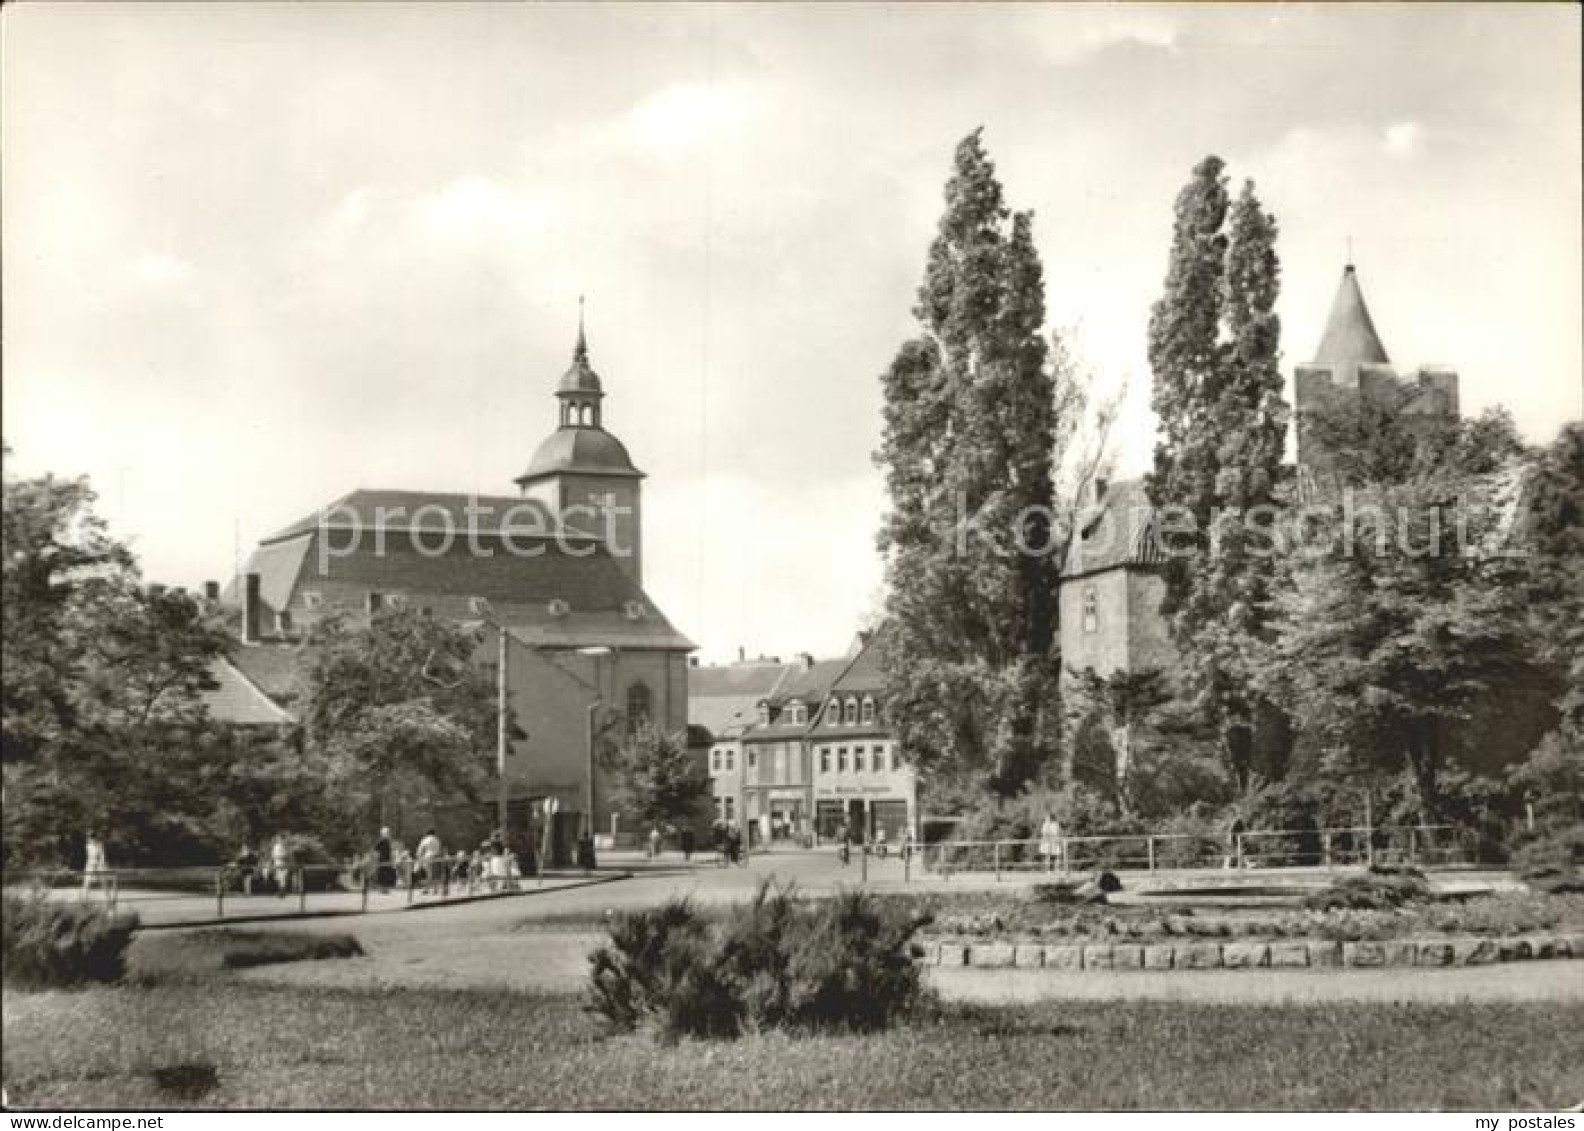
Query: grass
{"points": [[167, 956], [233, 1045]]}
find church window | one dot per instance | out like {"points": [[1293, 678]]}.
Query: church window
{"points": [[1091, 609]]}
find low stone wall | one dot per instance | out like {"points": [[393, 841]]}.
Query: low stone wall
{"points": [[1285, 954]]}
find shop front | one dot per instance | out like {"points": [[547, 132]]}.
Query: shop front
{"points": [[867, 810]]}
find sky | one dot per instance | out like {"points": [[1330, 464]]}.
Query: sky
{"points": [[256, 256]]}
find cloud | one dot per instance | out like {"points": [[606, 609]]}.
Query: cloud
{"points": [[472, 207], [1062, 39], [686, 116], [1404, 140]]}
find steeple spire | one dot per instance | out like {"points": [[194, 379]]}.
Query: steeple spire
{"points": [[1350, 332], [581, 352]]}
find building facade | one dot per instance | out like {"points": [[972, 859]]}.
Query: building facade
{"points": [[557, 568]]}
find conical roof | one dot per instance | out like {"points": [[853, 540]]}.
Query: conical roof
{"points": [[1350, 336]]}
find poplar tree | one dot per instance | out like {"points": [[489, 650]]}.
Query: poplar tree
{"points": [[1214, 350], [967, 453]]}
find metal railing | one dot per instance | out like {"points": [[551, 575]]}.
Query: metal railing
{"points": [[247, 891], [1434, 845]]}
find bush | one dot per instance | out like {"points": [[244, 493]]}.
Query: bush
{"points": [[774, 963], [1378, 889], [49, 943]]}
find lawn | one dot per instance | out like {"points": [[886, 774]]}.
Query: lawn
{"points": [[227, 1044]]}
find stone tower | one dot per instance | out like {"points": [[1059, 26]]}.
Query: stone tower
{"points": [[583, 473], [1352, 363]]}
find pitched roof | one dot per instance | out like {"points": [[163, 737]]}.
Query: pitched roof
{"points": [[273, 668], [810, 685], [237, 700], [1350, 336], [431, 512], [551, 592], [1120, 532], [726, 696], [865, 673]]}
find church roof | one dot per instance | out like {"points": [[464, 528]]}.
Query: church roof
{"points": [[428, 512], [581, 449], [580, 376], [1350, 336]]}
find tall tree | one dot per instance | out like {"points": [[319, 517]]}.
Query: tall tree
{"points": [[398, 713], [1402, 623], [656, 779], [967, 454], [1214, 347]]}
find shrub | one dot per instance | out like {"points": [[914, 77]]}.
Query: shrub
{"points": [[49, 943], [773, 963], [1378, 889]]}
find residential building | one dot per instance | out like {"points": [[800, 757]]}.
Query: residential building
{"points": [[723, 702]]}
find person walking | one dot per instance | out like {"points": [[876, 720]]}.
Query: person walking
{"points": [[846, 844], [687, 844], [654, 842], [429, 854], [384, 855], [280, 865], [94, 866]]}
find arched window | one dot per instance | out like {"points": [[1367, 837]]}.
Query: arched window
{"points": [[637, 704], [851, 714]]}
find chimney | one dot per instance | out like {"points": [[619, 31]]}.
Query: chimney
{"points": [[252, 609], [742, 654], [806, 659], [212, 592]]}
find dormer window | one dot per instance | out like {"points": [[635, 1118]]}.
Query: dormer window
{"points": [[764, 714], [867, 711], [558, 608], [850, 714]]}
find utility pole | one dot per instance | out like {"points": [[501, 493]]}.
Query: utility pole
{"points": [[500, 731]]}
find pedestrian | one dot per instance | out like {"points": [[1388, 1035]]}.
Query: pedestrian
{"points": [[246, 866], [880, 842], [94, 866], [687, 844], [280, 865], [654, 842], [734, 844], [384, 855], [429, 854], [1050, 841], [907, 842], [846, 844]]}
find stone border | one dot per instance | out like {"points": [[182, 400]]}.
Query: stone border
{"points": [[1281, 954]]}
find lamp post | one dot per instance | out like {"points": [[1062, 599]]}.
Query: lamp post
{"points": [[587, 847]]}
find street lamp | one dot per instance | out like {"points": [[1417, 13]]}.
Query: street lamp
{"points": [[593, 709]]}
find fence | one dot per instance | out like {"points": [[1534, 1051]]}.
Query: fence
{"points": [[1435, 845], [248, 892]]}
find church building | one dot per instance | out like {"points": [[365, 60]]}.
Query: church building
{"points": [[556, 567]]}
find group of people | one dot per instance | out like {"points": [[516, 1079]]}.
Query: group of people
{"points": [[493, 865], [878, 844], [728, 843], [658, 837], [271, 867]]}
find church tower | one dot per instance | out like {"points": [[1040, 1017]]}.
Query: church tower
{"points": [[1351, 364], [583, 473]]}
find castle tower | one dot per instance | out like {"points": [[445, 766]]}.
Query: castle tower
{"points": [[1352, 363], [583, 473]]}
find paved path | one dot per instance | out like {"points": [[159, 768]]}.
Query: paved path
{"points": [[542, 944]]}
